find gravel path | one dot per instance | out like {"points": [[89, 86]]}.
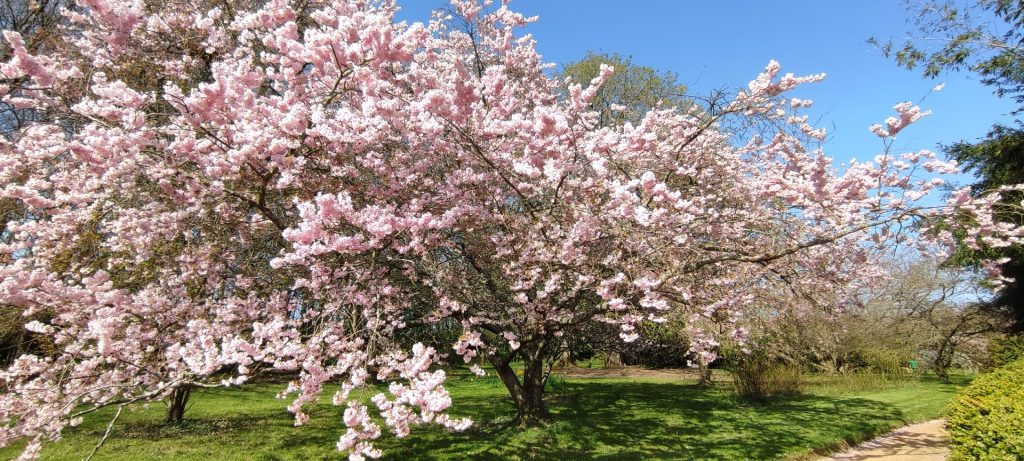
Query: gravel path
{"points": [[925, 441]]}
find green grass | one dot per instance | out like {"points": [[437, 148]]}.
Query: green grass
{"points": [[611, 419]]}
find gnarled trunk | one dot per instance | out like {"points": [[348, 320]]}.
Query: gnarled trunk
{"points": [[176, 405], [527, 394], [613, 360]]}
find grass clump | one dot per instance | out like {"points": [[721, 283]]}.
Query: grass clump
{"points": [[860, 381], [757, 378]]}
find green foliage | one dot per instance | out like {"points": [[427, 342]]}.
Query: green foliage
{"points": [[15, 340], [607, 418], [555, 383], [1002, 351], [996, 161], [986, 420], [756, 377], [635, 88], [861, 381], [881, 361], [661, 345], [981, 37]]}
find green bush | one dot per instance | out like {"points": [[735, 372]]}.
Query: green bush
{"points": [[880, 360], [1002, 351], [986, 419], [756, 377]]}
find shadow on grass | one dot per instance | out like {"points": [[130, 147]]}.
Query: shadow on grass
{"points": [[621, 420], [606, 420]]}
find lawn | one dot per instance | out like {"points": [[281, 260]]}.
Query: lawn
{"points": [[610, 418]]}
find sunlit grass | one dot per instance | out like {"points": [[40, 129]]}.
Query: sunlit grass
{"points": [[610, 418]]}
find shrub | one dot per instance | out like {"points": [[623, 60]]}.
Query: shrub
{"points": [[1002, 351], [986, 419], [881, 360], [756, 377], [659, 345]]}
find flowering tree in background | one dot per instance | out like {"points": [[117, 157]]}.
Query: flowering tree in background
{"points": [[213, 190]]}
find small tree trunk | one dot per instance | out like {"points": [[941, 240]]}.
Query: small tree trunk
{"points": [[565, 360], [176, 405], [943, 361], [942, 367], [613, 360], [705, 374]]}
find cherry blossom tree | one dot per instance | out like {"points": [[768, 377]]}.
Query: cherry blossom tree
{"points": [[215, 189]]}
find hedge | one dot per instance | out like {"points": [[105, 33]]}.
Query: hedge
{"points": [[1004, 350], [986, 419]]}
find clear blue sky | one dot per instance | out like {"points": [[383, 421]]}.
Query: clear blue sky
{"points": [[724, 44]]}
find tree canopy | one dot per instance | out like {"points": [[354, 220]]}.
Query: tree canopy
{"points": [[631, 91]]}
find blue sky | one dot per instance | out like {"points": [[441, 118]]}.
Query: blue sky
{"points": [[724, 44]]}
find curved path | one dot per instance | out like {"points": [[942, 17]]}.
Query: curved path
{"points": [[925, 441]]}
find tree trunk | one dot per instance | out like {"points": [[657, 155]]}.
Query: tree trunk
{"points": [[613, 360], [527, 394], [943, 361], [565, 360], [176, 405], [705, 374]]}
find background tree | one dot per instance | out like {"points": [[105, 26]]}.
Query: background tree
{"points": [[938, 313], [632, 90], [922, 311], [984, 37]]}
